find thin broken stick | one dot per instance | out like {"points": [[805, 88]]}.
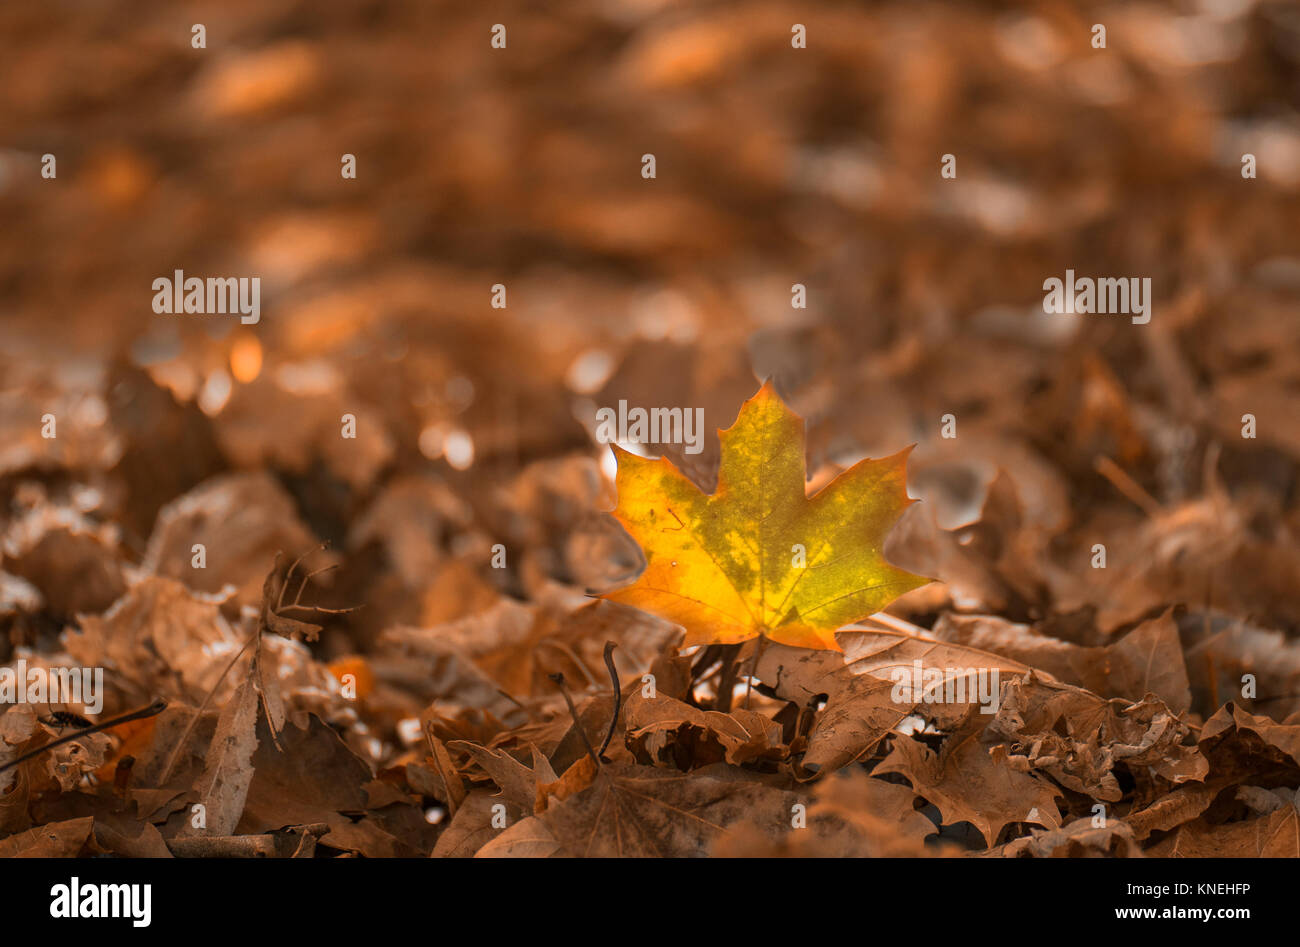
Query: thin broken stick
{"points": [[157, 707]]}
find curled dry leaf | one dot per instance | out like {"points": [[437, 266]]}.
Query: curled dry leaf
{"points": [[1078, 738], [664, 730]]}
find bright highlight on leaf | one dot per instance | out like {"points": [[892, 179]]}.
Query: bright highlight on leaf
{"points": [[759, 556]]}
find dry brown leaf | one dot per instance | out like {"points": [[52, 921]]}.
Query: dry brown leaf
{"points": [[970, 782], [662, 729], [639, 811], [56, 840], [1078, 738], [1276, 835], [228, 769], [1078, 839], [1147, 660]]}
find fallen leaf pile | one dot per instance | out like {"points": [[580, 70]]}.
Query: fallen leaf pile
{"points": [[363, 579]]}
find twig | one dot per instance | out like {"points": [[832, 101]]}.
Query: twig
{"points": [[618, 695], [176, 750], [157, 707], [753, 668], [558, 678], [572, 655], [727, 678], [1128, 486]]}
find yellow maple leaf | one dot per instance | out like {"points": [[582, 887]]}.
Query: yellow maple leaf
{"points": [[760, 556]]}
